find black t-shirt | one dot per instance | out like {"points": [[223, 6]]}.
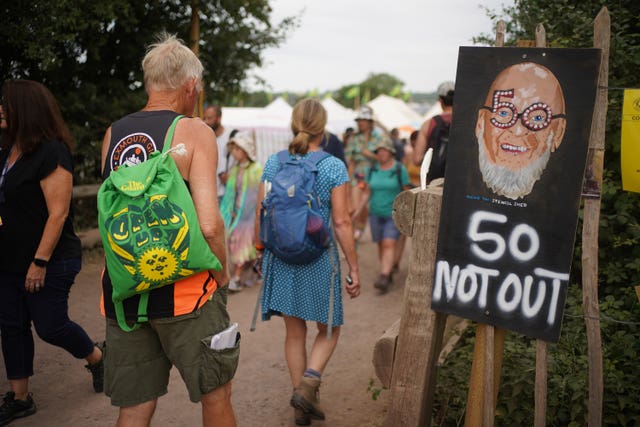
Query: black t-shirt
{"points": [[332, 145], [23, 212]]}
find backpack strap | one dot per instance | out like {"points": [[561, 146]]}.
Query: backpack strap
{"points": [[283, 156], [169, 137], [399, 174], [315, 157], [372, 169]]}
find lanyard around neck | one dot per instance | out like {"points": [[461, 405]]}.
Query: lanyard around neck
{"points": [[7, 166]]}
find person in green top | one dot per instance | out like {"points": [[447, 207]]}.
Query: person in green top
{"points": [[384, 181]]}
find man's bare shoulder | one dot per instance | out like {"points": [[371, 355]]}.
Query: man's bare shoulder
{"points": [[195, 124], [195, 130]]}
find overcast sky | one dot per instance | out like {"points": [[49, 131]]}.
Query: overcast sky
{"points": [[341, 42]]}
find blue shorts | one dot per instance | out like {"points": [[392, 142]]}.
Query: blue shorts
{"points": [[383, 227]]}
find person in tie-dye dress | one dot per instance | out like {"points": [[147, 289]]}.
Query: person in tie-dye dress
{"points": [[239, 206]]}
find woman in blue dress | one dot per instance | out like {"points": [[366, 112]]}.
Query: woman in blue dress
{"points": [[303, 292]]}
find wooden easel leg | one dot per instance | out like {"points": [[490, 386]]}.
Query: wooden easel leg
{"points": [[475, 413]]}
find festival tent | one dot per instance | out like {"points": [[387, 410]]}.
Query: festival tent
{"points": [[435, 109], [339, 118], [392, 113], [270, 126]]}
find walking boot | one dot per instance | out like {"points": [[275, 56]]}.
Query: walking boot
{"points": [[301, 418], [307, 397], [383, 282]]}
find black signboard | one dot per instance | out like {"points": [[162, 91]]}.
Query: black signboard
{"points": [[516, 159]]}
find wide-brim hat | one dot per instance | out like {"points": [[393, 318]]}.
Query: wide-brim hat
{"points": [[364, 113], [245, 141], [386, 144]]}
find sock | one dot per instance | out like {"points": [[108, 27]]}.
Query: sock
{"points": [[311, 373]]}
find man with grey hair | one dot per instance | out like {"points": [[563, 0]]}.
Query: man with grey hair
{"points": [[521, 123], [186, 314]]}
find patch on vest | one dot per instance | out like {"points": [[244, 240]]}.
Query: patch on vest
{"points": [[132, 150]]}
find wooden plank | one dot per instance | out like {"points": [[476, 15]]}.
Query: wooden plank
{"points": [[540, 415], [602, 35], [421, 329], [384, 354], [404, 207]]}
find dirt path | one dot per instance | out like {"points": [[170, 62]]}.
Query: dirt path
{"points": [[261, 388]]}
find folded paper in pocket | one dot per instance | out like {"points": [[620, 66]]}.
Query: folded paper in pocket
{"points": [[226, 338]]}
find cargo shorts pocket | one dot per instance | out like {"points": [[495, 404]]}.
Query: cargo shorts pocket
{"points": [[218, 366]]}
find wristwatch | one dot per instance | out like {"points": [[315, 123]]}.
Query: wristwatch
{"points": [[39, 262]]}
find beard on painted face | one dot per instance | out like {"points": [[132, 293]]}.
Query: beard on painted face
{"points": [[506, 182]]}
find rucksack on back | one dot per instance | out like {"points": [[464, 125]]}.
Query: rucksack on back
{"points": [[291, 225], [150, 230], [439, 141]]}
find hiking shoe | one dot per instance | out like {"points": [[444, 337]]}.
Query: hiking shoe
{"points": [[307, 398], [12, 408], [382, 283], [301, 418], [234, 285], [395, 269], [97, 369]]}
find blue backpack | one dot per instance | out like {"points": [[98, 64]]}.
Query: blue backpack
{"points": [[291, 225]]}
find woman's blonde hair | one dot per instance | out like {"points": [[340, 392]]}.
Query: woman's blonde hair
{"points": [[308, 120], [169, 64]]}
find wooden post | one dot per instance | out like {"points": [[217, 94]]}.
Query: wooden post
{"points": [[486, 366], [602, 35], [540, 392], [485, 373], [417, 214], [194, 44]]}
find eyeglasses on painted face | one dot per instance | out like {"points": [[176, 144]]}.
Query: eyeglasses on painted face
{"points": [[504, 114]]}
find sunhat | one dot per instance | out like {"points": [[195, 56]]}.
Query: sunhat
{"points": [[245, 141]]}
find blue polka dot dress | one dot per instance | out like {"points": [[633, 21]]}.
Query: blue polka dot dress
{"points": [[302, 291]]}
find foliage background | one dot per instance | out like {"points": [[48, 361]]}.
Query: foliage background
{"points": [[88, 53], [570, 24]]}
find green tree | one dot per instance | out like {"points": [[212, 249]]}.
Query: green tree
{"points": [[88, 53], [372, 86], [569, 23]]}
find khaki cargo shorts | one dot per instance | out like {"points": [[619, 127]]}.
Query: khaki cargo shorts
{"points": [[137, 363]]}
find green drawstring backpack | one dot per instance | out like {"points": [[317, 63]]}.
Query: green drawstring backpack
{"points": [[149, 229]]}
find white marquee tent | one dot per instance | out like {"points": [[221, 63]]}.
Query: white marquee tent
{"points": [[435, 109], [339, 118], [392, 113], [271, 125]]}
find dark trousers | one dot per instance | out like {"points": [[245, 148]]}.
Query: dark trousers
{"points": [[47, 309]]}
